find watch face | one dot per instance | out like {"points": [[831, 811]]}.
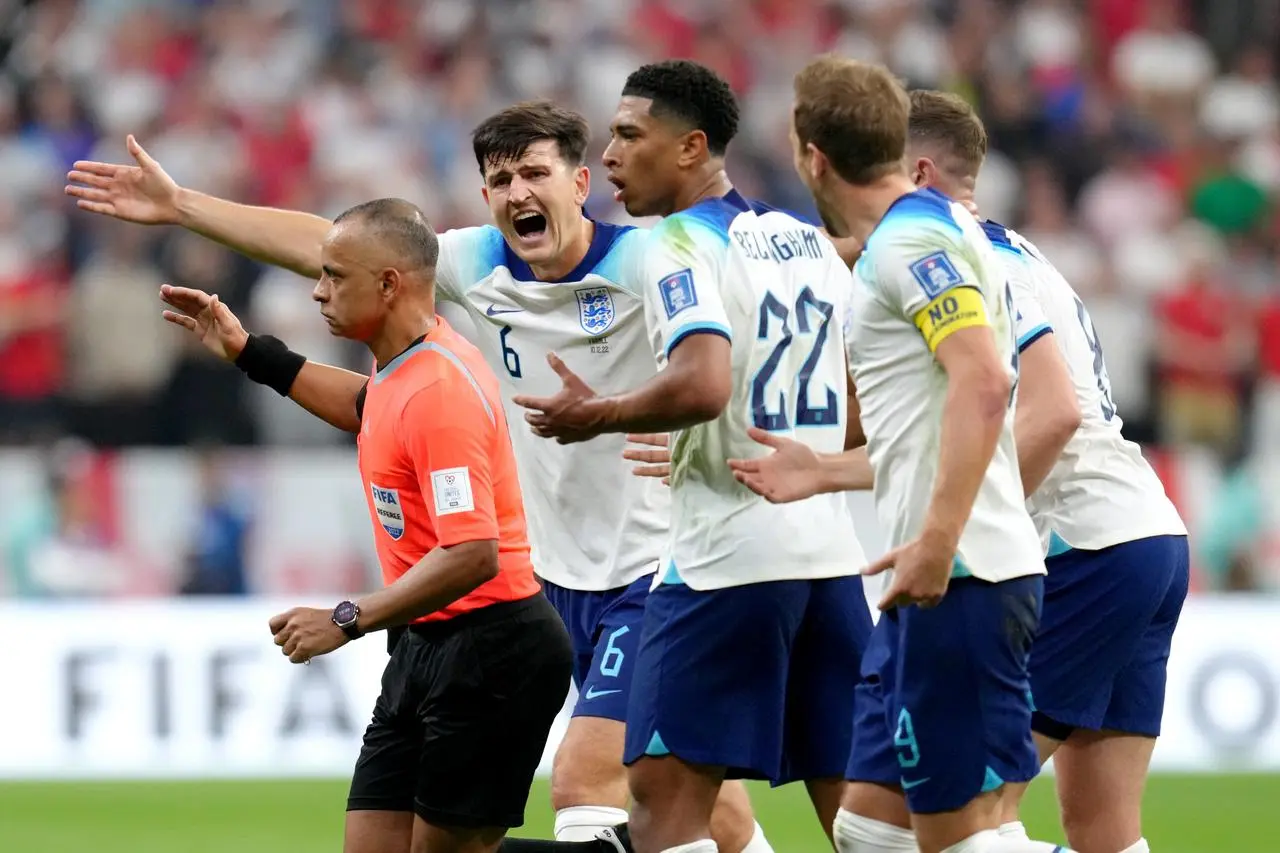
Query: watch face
{"points": [[345, 613]]}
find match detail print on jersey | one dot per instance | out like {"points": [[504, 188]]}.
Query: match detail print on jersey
{"points": [[956, 309], [451, 488]]}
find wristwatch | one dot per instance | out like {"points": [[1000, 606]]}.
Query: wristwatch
{"points": [[347, 617]]}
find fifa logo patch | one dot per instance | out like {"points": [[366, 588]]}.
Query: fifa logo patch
{"points": [[595, 309], [386, 505], [936, 273]]}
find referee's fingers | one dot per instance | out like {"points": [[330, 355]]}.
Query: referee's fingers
{"points": [[279, 621], [652, 471]]}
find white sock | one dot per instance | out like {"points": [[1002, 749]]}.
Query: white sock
{"points": [[706, 845], [1139, 846], [854, 833], [581, 823], [1013, 829], [981, 842], [758, 843]]}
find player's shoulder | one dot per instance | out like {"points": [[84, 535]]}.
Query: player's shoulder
{"points": [[616, 254], [1000, 236], [445, 365], [918, 219], [473, 253], [1043, 272]]}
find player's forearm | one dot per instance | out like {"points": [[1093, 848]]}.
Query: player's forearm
{"points": [[1048, 412], [676, 398], [437, 580], [329, 393], [1041, 433], [972, 418], [283, 238], [849, 471]]}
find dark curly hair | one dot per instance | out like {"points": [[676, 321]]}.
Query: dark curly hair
{"points": [[690, 93]]}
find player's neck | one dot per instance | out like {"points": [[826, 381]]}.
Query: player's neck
{"points": [[400, 330], [861, 208], [568, 260], [714, 183]]}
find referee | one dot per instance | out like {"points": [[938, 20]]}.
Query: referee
{"points": [[482, 667]]}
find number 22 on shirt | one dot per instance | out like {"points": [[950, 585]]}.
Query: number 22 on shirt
{"points": [[782, 397]]}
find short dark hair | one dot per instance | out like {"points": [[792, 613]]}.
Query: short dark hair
{"points": [[402, 226], [691, 93], [948, 120], [507, 135], [855, 113]]}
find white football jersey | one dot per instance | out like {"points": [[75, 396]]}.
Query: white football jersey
{"points": [[775, 288], [928, 269], [593, 525], [1102, 491]]}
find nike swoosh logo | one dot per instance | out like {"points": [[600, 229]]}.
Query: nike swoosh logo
{"points": [[494, 310], [907, 786], [592, 693]]}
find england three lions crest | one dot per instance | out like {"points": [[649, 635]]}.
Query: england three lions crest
{"points": [[595, 309]]}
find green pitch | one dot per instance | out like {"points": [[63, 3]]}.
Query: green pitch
{"points": [[1185, 814]]}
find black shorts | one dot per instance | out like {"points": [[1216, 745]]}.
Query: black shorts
{"points": [[463, 718]]}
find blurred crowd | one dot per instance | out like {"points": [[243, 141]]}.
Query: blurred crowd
{"points": [[1137, 142]]}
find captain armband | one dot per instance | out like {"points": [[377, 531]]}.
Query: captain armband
{"points": [[957, 308]]}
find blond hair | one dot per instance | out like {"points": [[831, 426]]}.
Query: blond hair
{"points": [[855, 113]]}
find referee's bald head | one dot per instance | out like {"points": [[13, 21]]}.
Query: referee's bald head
{"points": [[399, 229]]}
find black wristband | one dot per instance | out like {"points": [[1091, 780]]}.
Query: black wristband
{"points": [[267, 361]]}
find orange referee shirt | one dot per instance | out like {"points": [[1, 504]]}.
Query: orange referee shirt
{"points": [[438, 469]]}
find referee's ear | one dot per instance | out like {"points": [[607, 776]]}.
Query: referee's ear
{"points": [[389, 281]]}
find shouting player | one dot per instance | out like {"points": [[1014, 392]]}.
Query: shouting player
{"points": [[475, 682], [544, 278], [943, 713], [752, 637]]}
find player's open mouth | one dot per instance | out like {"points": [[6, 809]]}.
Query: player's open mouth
{"points": [[621, 188], [530, 225]]}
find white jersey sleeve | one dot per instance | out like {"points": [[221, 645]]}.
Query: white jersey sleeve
{"points": [[1029, 319], [454, 245], [684, 264], [912, 270]]}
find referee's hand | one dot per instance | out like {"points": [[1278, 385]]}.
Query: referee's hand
{"points": [[304, 633], [205, 316]]}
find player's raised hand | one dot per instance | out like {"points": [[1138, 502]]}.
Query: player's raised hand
{"points": [[207, 318], [922, 571], [142, 193], [570, 416], [792, 472], [657, 462]]}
